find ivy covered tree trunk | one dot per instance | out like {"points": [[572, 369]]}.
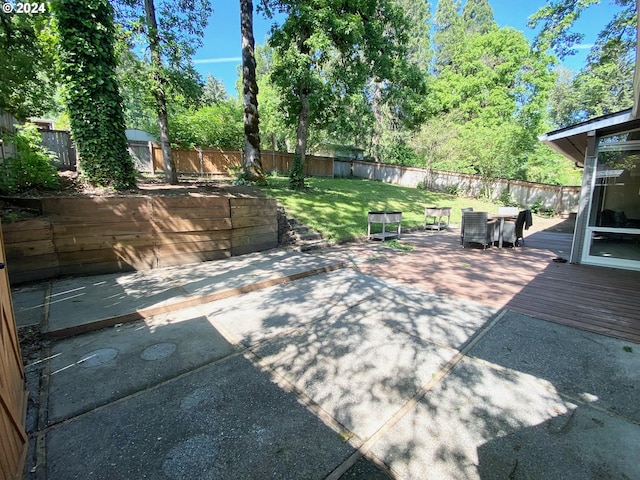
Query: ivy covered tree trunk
{"points": [[159, 81], [87, 65], [252, 165]]}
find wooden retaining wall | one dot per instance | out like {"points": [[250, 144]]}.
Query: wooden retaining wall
{"points": [[109, 234]]}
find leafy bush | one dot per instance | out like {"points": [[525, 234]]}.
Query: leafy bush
{"points": [[539, 209], [219, 125], [506, 199], [30, 167]]}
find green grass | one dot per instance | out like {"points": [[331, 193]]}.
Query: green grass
{"points": [[338, 207]]}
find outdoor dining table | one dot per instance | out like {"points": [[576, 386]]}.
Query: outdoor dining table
{"points": [[502, 217]]}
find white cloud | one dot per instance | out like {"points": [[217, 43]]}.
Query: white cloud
{"points": [[584, 46], [217, 60]]}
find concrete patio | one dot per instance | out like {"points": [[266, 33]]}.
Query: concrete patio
{"points": [[286, 365]]}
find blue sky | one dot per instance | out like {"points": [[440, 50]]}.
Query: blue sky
{"points": [[220, 54]]}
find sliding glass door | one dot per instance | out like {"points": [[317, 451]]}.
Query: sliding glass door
{"points": [[613, 231]]}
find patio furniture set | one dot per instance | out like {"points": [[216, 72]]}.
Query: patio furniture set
{"points": [[487, 229], [483, 228]]}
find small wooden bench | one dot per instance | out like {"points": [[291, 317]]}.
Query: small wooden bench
{"points": [[385, 218]]}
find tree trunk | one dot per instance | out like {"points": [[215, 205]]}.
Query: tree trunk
{"points": [[252, 166], [296, 175], [377, 115], [158, 92]]}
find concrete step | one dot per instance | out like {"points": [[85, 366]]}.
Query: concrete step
{"points": [[300, 229], [309, 236]]}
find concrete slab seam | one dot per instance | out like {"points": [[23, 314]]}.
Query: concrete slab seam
{"points": [[328, 419], [407, 407], [142, 391], [191, 302], [44, 324], [43, 417]]}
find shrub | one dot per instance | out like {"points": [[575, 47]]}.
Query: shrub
{"points": [[506, 199], [30, 166]]}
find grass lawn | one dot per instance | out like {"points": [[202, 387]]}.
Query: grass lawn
{"points": [[338, 207]]}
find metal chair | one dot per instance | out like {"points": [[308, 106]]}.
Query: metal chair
{"points": [[478, 229]]}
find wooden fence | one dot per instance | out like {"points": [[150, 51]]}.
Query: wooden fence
{"points": [[59, 142], [13, 393], [101, 235], [7, 123], [218, 161]]}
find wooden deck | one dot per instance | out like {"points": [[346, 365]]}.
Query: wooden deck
{"points": [[525, 279]]}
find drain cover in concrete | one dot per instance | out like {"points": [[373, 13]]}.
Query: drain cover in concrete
{"points": [[98, 357], [158, 351]]}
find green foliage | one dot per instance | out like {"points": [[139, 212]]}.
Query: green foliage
{"points": [[30, 166], [219, 125], [296, 174], [27, 73], [605, 84], [399, 153], [213, 91], [87, 66], [539, 209], [396, 245], [506, 199], [477, 17]]}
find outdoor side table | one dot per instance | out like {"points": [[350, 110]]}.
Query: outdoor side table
{"points": [[385, 218], [436, 213]]}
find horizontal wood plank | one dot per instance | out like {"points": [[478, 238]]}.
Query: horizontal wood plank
{"points": [[244, 222], [25, 225], [29, 249], [177, 237], [192, 225]]}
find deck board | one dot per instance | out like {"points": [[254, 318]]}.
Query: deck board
{"points": [[524, 279]]}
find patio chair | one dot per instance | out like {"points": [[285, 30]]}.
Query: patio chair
{"points": [[513, 232], [464, 210], [478, 229]]}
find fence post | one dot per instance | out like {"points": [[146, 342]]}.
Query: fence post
{"points": [[273, 152], [153, 169], [201, 159]]}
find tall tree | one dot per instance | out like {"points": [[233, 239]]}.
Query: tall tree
{"points": [[448, 33], [477, 17], [399, 107], [252, 165], [159, 86], [605, 84], [87, 65], [213, 91], [367, 39], [173, 32]]}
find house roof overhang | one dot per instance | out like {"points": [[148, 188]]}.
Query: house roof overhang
{"points": [[572, 141]]}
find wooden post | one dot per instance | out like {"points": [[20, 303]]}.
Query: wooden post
{"points": [[150, 146]]}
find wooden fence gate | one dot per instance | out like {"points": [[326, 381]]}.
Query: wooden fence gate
{"points": [[13, 394]]}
